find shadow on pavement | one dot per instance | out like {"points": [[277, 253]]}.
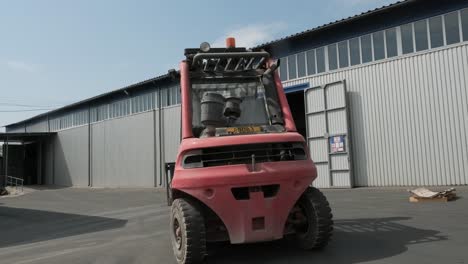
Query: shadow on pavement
{"points": [[23, 226], [45, 187], [354, 241]]}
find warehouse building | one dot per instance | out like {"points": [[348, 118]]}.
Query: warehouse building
{"points": [[381, 98]]}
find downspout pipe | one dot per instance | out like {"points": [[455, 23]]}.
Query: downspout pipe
{"points": [[6, 163], [90, 150], [3, 177], [161, 160]]}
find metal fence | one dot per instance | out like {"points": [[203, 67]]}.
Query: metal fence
{"points": [[14, 182]]}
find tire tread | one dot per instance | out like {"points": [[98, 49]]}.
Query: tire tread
{"points": [[194, 230], [324, 219]]}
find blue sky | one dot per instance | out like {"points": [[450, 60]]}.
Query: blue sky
{"points": [[55, 52]]}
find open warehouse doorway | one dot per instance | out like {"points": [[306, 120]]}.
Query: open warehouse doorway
{"points": [[296, 103], [23, 158]]}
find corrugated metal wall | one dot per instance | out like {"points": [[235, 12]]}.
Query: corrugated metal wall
{"points": [[409, 118], [71, 157], [170, 139], [171, 132], [16, 129], [123, 151], [38, 126]]}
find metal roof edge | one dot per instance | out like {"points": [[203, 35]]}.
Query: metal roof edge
{"points": [[132, 86], [14, 136], [336, 23]]}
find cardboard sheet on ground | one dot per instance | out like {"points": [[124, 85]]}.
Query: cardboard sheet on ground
{"points": [[426, 193]]}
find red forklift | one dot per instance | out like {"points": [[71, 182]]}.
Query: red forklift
{"points": [[243, 172]]}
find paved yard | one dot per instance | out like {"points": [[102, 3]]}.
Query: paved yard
{"points": [[130, 226]]}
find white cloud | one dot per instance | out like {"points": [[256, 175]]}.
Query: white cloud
{"points": [[252, 35], [22, 66]]}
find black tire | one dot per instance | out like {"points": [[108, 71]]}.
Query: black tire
{"points": [[316, 209], [189, 243]]}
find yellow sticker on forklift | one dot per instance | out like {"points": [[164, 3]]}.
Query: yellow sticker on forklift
{"points": [[244, 130]]}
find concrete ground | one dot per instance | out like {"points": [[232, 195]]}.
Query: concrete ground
{"points": [[131, 226]]}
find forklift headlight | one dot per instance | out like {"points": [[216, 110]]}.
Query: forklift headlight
{"points": [[299, 151], [193, 159], [205, 46]]}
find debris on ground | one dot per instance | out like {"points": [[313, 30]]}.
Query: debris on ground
{"points": [[423, 194], [3, 192]]}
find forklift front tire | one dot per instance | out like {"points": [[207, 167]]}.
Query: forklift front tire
{"points": [[187, 232], [316, 233]]}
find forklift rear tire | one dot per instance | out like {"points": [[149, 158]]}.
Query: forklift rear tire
{"points": [[187, 232], [316, 234]]}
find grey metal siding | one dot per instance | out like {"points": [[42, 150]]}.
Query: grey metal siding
{"points": [[123, 151], [38, 126], [409, 118], [171, 132], [15, 129], [166, 149], [71, 157]]}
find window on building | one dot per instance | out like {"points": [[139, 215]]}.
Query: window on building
{"points": [[156, 99], [66, 121], [80, 118], [126, 107], [164, 97], [343, 54], [113, 110], [142, 103], [145, 103], [136, 104], [168, 96], [320, 56], [76, 119], [332, 57], [103, 112], [93, 114], [464, 23], [55, 124], [311, 62], [407, 38], [283, 69], [379, 46], [420, 33], [355, 52], [391, 41], [435, 29], [173, 93], [179, 98], [63, 123], [366, 48], [452, 29], [301, 65], [119, 108], [292, 69]]}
